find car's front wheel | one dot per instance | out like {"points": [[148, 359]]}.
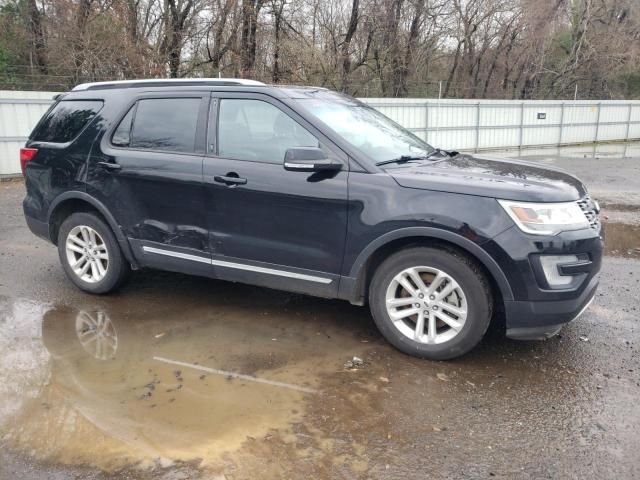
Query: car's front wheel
{"points": [[432, 303], [90, 254]]}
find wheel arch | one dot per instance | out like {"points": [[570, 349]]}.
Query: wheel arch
{"points": [[356, 285], [75, 201]]}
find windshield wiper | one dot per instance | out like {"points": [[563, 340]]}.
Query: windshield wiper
{"points": [[435, 152], [409, 158], [401, 159]]}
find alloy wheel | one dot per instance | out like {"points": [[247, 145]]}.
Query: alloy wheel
{"points": [[87, 254], [426, 305]]}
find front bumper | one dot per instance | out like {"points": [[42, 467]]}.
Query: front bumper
{"points": [[541, 320], [536, 310]]}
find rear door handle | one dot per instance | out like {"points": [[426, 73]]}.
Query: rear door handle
{"points": [[230, 180], [113, 167]]}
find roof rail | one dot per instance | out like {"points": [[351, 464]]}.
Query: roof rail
{"points": [[165, 82]]}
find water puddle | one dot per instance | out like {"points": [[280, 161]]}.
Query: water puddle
{"points": [[23, 358], [622, 240], [114, 388]]}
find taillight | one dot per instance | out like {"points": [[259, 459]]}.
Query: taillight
{"points": [[26, 155]]}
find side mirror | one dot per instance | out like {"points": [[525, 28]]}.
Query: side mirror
{"points": [[309, 159]]}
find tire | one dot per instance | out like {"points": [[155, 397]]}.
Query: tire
{"points": [[102, 248], [467, 309]]}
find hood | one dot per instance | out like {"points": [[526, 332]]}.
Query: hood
{"points": [[491, 177]]}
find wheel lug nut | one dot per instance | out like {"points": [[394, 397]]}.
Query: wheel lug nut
{"points": [[435, 307], [421, 296], [426, 312], [432, 297], [417, 305]]}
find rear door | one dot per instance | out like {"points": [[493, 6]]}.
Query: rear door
{"points": [[150, 178], [270, 226]]}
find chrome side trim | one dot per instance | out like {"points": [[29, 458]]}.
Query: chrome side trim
{"points": [[169, 253], [271, 271], [238, 266]]}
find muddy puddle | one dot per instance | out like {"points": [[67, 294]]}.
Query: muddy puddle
{"points": [[622, 240], [115, 387]]}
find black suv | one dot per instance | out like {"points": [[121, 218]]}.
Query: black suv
{"points": [[307, 190]]}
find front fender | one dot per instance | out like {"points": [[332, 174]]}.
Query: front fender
{"points": [[352, 287]]}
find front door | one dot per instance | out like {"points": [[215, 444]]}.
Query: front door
{"points": [[269, 226]]}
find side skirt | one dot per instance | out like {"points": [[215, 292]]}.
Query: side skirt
{"points": [[195, 262]]}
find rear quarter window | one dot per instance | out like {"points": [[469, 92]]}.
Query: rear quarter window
{"points": [[65, 120]]}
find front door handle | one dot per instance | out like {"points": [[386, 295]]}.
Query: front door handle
{"points": [[110, 166], [230, 179]]}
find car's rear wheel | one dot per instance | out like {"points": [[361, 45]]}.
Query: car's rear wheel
{"points": [[90, 254], [431, 302]]}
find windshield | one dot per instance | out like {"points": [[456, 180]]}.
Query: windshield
{"points": [[377, 136]]}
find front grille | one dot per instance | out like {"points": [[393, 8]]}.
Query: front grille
{"points": [[591, 211]]}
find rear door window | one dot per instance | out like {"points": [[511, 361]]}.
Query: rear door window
{"points": [[165, 124], [65, 120]]}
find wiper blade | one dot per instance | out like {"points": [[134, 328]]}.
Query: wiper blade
{"points": [[435, 152], [401, 159], [409, 158], [443, 153]]}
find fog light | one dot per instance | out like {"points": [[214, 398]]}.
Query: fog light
{"points": [[552, 273]]}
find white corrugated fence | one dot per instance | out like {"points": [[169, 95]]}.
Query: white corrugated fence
{"points": [[469, 125], [493, 124], [19, 112]]}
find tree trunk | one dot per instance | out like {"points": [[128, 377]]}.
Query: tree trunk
{"points": [[453, 70], [37, 32], [345, 48], [278, 10], [78, 45], [250, 11], [414, 32]]}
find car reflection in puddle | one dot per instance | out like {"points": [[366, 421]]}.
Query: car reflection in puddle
{"points": [[125, 390], [97, 334]]}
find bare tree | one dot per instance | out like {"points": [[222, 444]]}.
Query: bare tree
{"points": [[177, 16], [37, 32], [250, 11], [474, 48]]}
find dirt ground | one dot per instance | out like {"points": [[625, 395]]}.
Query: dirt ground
{"points": [[178, 377]]}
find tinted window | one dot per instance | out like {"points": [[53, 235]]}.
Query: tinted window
{"points": [[160, 124], [66, 120], [122, 135], [256, 130]]}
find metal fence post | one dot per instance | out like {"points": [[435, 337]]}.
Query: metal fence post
{"points": [[521, 125], [477, 126], [598, 122], [628, 123], [561, 123], [426, 121]]}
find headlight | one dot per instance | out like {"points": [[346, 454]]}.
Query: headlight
{"points": [[546, 218]]}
